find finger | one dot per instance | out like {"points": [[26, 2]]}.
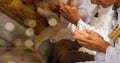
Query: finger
{"points": [[93, 37], [85, 44], [83, 36], [63, 14], [76, 31], [93, 33], [70, 0], [61, 3], [82, 43], [63, 10], [71, 3], [78, 34], [68, 10]]}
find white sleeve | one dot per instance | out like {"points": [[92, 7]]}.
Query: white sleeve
{"points": [[84, 4], [112, 55], [85, 8]]}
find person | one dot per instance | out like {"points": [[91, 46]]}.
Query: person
{"points": [[82, 9], [65, 53], [110, 49], [101, 15]]}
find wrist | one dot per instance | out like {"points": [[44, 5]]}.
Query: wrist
{"points": [[105, 48], [76, 20]]}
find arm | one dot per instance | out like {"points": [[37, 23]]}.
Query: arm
{"points": [[72, 15], [85, 8], [91, 40], [112, 55], [94, 41], [82, 25], [76, 10]]}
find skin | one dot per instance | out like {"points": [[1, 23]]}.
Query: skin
{"points": [[91, 40], [87, 38], [53, 6], [104, 3], [117, 3], [71, 14]]}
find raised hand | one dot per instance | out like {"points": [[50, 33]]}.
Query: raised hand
{"points": [[69, 12], [54, 6]]}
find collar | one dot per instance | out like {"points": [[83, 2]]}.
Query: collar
{"points": [[118, 11], [116, 8], [105, 9]]}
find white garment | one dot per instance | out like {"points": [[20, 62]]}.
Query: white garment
{"points": [[85, 8], [113, 53], [101, 25]]}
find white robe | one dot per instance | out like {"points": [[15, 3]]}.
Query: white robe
{"points": [[101, 24], [84, 8], [113, 53]]}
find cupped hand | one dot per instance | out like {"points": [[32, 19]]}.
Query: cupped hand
{"points": [[91, 40]]}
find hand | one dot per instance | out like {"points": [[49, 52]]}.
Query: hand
{"points": [[91, 40], [69, 12], [54, 7], [93, 1]]}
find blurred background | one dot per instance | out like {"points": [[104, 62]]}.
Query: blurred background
{"points": [[26, 29]]}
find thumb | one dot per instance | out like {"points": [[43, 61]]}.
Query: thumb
{"points": [[71, 3]]}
